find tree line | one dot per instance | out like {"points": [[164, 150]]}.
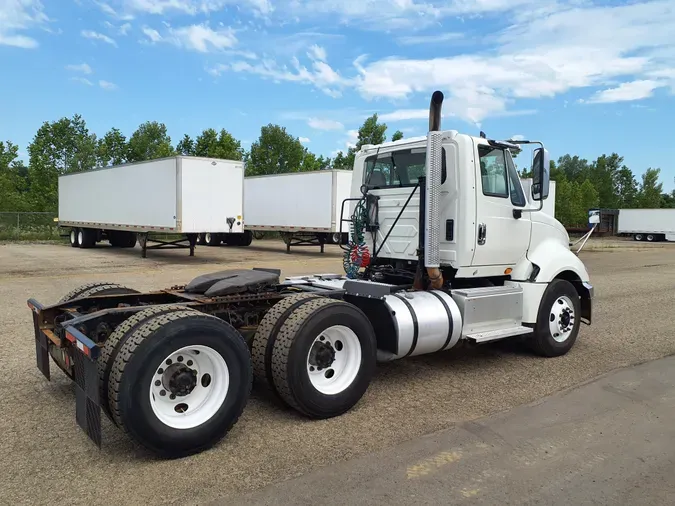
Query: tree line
{"points": [[67, 146]]}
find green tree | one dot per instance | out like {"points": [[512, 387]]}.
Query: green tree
{"points": [[186, 146], [398, 135], [275, 152], [650, 189], [311, 162], [58, 148], [371, 132], [112, 148], [13, 179], [222, 145], [588, 199], [149, 142], [627, 189], [604, 176]]}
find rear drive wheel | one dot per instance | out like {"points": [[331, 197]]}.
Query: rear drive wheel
{"points": [[262, 344], [558, 320], [115, 340], [180, 382], [324, 357], [97, 288]]}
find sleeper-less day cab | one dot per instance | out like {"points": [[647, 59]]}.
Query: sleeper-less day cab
{"points": [[446, 248]]}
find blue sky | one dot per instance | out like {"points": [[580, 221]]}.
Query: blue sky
{"points": [[585, 77]]}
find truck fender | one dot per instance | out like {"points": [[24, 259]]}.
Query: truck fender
{"points": [[551, 260]]}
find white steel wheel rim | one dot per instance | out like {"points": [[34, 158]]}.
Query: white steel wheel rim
{"points": [[207, 238], [80, 237], [72, 237], [211, 384], [650, 237], [332, 372], [561, 319]]}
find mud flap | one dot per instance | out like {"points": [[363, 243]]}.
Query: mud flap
{"points": [[41, 342], [87, 400]]}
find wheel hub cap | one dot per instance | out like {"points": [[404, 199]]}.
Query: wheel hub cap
{"points": [[322, 355], [561, 320], [180, 380]]}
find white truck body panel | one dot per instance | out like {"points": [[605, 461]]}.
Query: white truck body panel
{"points": [[297, 201], [549, 203], [178, 194], [647, 221]]}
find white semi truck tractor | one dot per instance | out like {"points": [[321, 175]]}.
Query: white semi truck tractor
{"points": [[445, 249]]}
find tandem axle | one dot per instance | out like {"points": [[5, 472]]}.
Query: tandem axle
{"points": [[158, 363]]}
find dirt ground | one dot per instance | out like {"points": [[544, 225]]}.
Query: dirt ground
{"points": [[46, 459]]}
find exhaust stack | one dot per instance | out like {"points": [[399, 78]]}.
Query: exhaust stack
{"points": [[434, 167]]}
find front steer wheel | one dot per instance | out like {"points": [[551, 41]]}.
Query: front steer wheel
{"points": [[324, 357], [179, 382], [558, 320]]}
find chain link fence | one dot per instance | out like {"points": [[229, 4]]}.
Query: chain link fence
{"points": [[28, 226]]}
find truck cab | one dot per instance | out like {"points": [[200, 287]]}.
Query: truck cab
{"points": [[490, 232]]}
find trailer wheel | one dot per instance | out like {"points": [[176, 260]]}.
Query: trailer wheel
{"points": [[212, 239], [86, 237], [637, 237], [246, 238], [324, 357], [179, 382], [650, 237], [74, 238], [97, 288], [263, 340], [558, 320]]}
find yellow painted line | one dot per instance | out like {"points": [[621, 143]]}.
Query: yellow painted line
{"points": [[431, 464]]}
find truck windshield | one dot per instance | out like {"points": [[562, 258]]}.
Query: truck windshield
{"points": [[397, 169]]}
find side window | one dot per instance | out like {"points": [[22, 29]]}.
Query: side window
{"points": [[517, 196], [493, 171], [397, 169]]}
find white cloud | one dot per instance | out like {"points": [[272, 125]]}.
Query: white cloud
{"points": [[545, 52], [82, 67], [17, 16], [107, 85], [82, 80], [121, 30], [324, 124], [199, 38], [304, 140], [626, 92], [404, 114], [430, 39], [90, 34], [517, 137], [317, 53], [194, 7]]}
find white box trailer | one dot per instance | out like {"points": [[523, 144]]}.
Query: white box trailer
{"points": [[647, 224], [304, 207], [180, 195], [549, 203]]}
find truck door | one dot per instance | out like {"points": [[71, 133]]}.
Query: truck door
{"points": [[502, 238]]}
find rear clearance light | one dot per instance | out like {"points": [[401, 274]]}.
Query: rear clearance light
{"points": [[83, 343]]}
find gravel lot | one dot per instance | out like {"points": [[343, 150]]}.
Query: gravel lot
{"points": [[47, 459]]}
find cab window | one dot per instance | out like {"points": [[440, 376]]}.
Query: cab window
{"points": [[499, 175], [397, 169]]}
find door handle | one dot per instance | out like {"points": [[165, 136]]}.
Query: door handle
{"points": [[482, 232]]}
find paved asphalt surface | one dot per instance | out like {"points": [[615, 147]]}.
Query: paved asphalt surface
{"points": [[46, 459], [611, 441]]}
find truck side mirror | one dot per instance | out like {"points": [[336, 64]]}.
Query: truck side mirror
{"points": [[540, 174]]}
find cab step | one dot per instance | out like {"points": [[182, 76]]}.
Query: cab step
{"points": [[496, 335]]}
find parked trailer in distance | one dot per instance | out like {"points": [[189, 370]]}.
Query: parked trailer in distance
{"points": [[647, 224], [304, 207], [177, 196]]}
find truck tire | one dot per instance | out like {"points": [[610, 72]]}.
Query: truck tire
{"points": [[97, 288], [246, 238], [86, 237], [324, 357], [558, 320], [74, 238], [263, 340], [115, 340], [179, 382], [212, 239]]}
